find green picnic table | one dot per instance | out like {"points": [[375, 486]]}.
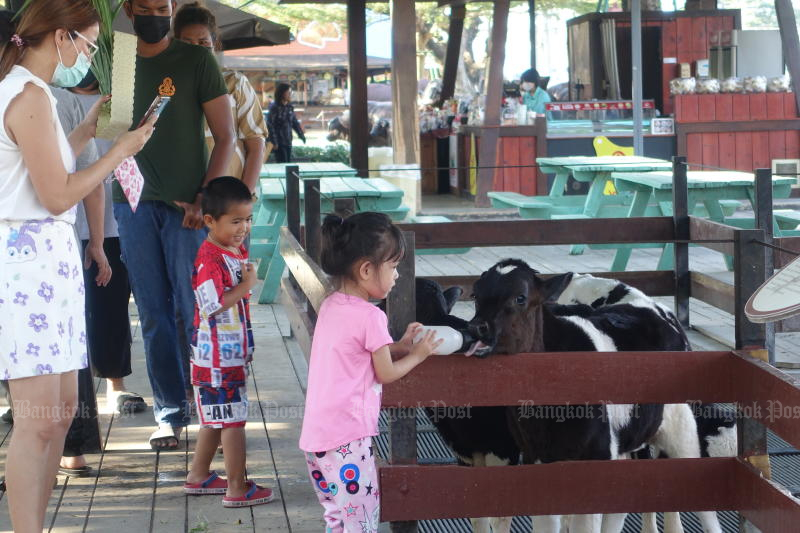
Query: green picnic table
{"points": [[373, 194], [709, 188], [308, 170], [596, 204]]}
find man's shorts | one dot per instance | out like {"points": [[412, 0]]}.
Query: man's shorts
{"points": [[224, 406]]}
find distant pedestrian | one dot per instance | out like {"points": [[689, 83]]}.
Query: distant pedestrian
{"points": [[281, 121]]}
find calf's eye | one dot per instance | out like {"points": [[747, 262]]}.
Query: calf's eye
{"points": [[520, 300]]}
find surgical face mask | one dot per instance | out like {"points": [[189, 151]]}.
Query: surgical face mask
{"points": [[527, 86], [151, 28], [71, 76]]}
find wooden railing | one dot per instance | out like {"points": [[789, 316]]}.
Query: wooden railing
{"points": [[766, 398]]}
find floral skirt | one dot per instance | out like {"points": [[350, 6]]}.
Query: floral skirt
{"points": [[42, 321]]}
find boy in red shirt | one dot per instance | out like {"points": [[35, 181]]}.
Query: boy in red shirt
{"points": [[223, 344]]}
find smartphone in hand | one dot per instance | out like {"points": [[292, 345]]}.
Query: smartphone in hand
{"points": [[156, 107]]}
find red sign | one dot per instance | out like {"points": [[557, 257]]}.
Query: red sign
{"points": [[596, 106]]}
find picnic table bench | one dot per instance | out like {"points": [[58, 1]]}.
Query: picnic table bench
{"points": [[709, 188], [308, 170], [374, 194]]}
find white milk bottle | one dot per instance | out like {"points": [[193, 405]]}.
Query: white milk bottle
{"points": [[452, 339]]}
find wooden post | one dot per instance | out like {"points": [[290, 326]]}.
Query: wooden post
{"points": [[313, 218], [405, 126], [532, 31], [293, 200], [791, 44], [455, 33], [763, 204], [313, 233], [401, 307], [357, 57], [487, 154], [749, 274], [680, 214]]}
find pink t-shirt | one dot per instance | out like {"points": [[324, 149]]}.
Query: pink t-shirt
{"points": [[344, 397]]}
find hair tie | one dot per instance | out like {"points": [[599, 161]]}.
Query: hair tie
{"points": [[17, 40]]}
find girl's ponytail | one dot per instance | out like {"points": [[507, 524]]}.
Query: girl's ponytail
{"points": [[334, 241]]}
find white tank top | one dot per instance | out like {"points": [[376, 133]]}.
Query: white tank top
{"points": [[18, 200]]}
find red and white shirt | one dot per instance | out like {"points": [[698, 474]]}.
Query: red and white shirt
{"points": [[223, 343]]}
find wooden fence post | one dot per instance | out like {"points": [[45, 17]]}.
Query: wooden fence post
{"points": [[764, 221], [313, 225], [749, 274], [401, 307], [680, 214], [293, 200]]}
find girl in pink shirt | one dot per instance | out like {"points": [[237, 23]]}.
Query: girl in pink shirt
{"points": [[351, 357]]}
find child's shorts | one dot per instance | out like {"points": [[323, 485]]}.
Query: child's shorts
{"points": [[221, 407]]}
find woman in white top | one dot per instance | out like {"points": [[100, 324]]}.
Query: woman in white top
{"points": [[42, 326]]}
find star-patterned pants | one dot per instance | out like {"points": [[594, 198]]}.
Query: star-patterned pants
{"points": [[346, 482]]}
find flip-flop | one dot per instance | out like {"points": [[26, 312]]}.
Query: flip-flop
{"points": [[81, 471], [128, 402], [213, 484], [165, 432], [255, 495]]}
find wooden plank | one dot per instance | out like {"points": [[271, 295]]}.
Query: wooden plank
{"points": [[777, 145], [566, 378], [301, 325], [699, 39], [684, 39], [724, 107], [734, 126], [405, 125], [792, 146], [694, 150], [453, 54], [764, 503], [710, 149], [680, 214], [309, 276], [761, 149], [567, 487], [749, 274], [669, 38], [511, 158], [689, 108], [494, 80], [651, 282], [712, 291], [741, 107], [541, 232], [789, 105], [758, 106], [744, 151], [775, 107], [357, 68], [706, 107], [527, 174], [727, 150]]}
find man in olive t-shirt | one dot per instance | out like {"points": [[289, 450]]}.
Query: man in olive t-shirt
{"points": [[160, 240]]}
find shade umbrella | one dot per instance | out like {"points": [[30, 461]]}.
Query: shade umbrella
{"points": [[237, 28]]}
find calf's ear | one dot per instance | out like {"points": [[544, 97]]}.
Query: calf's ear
{"points": [[553, 286]]}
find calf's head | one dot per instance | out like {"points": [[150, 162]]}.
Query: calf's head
{"points": [[508, 308]]}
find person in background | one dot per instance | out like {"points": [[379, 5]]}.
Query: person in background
{"points": [[533, 96], [42, 323], [195, 24], [281, 121], [160, 241]]}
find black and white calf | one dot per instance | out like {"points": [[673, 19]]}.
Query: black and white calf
{"points": [[514, 314], [483, 438]]}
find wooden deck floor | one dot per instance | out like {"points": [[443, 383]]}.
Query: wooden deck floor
{"points": [[136, 490]]}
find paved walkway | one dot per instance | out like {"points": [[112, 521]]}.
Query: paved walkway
{"points": [[136, 490]]}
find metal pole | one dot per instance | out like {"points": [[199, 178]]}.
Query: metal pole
{"points": [[636, 71]]}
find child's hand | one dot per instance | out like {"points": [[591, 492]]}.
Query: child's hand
{"points": [[426, 346], [249, 277], [408, 337]]}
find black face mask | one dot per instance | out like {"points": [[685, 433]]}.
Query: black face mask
{"points": [[151, 28]]}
